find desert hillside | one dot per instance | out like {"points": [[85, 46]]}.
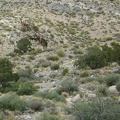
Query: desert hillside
{"points": [[65, 52]]}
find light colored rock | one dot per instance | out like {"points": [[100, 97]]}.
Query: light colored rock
{"points": [[69, 102], [113, 90], [91, 96], [75, 98]]}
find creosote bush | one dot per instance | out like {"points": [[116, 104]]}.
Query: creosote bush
{"points": [[96, 110], [26, 88], [46, 116], [55, 67], [67, 86], [50, 95], [53, 58], [26, 73], [65, 71], [35, 104], [61, 53], [12, 102], [112, 80]]}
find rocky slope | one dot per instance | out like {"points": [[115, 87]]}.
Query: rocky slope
{"points": [[69, 26]]}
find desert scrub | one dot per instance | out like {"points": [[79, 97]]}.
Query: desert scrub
{"points": [[55, 67], [96, 110], [86, 73], [31, 57], [77, 51], [35, 104], [46, 116], [12, 102], [26, 88], [102, 90], [50, 95], [39, 104], [53, 58], [65, 71], [61, 53], [26, 73], [67, 86], [112, 80], [35, 51], [45, 64], [7, 116]]}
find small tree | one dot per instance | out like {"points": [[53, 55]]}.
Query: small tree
{"points": [[6, 73], [94, 58], [23, 46], [116, 52]]}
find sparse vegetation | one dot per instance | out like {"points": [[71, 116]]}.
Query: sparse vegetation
{"points": [[46, 116], [50, 95], [59, 54]]}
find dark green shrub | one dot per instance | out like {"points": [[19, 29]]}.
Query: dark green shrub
{"points": [[55, 67], [95, 58], [65, 71], [67, 86], [116, 52], [97, 110], [6, 74], [50, 95], [47, 116], [118, 86], [26, 88], [108, 53], [112, 80], [23, 46], [12, 102]]}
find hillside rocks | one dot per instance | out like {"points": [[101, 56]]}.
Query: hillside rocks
{"points": [[113, 90]]}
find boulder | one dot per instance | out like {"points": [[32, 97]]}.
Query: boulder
{"points": [[113, 90], [75, 98]]}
